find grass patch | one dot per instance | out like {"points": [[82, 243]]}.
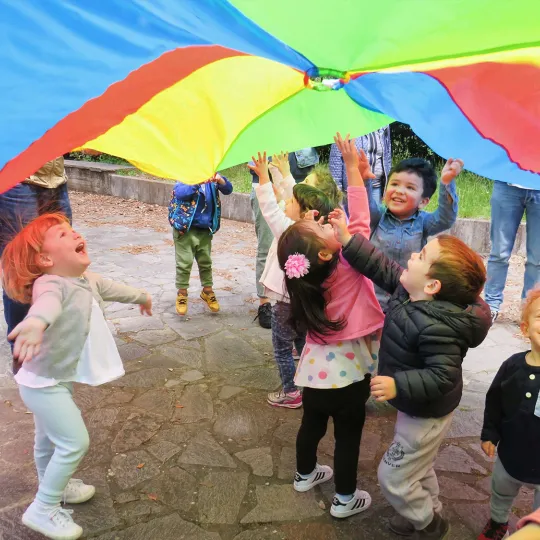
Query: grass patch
{"points": [[240, 178]]}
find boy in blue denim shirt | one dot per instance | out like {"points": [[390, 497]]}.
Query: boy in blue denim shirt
{"points": [[401, 227]]}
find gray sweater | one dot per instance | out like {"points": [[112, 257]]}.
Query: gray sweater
{"points": [[65, 304]]}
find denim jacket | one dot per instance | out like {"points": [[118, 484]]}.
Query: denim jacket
{"points": [[398, 239]]}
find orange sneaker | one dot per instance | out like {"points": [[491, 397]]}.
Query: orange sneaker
{"points": [[181, 304], [210, 299]]}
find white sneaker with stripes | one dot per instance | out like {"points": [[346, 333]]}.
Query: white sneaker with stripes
{"points": [[361, 501], [322, 473]]}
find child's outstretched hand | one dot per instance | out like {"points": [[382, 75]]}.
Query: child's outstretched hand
{"points": [[28, 336], [260, 167], [310, 215], [451, 169], [489, 448], [348, 151], [281, 161], [338, 220], [383, 388], [364, 167], [146, 308]]}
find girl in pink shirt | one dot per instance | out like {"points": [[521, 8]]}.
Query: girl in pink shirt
{"points": [[338, 308]]}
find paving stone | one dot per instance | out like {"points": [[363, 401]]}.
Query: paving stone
{"points": [[475, 516], [174, 488], [259, 459], [19, 485], [196, 327], [136, 324], [260, 378], [282, 503], [157, 401], [204, 450], [245, 420], [477, 449], [220, 497], [137, 511], [156, 337], [126, 471], [138, 428], [192, 375], [287, 463], [177, 435], [174, 383], [171, 527], [97, 515], [369, 446], [88, 397], [126, 497], [197, 406], [163, 450], [154, 361], [287, 432], [132, 351], [119, 397], [453, 489], [226, 351], [309, 531], [466, 423], [228, 392], [181, 355], [103, 418], [455, 459], [11, 527], [262, 534], [146, 378]]}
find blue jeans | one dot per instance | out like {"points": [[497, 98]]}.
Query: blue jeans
{"points": [[18, 206], [61, 439], [508, 204], [283, 338]]}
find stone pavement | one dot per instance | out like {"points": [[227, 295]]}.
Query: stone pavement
{"points": [[185, 446]]}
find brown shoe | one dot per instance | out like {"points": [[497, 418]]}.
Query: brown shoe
{"points": [[181, 304], [210, 299], [401, 526], [438, 529]]}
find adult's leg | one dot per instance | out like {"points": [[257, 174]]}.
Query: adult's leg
{"points": [[504, 489], [54, 200], [184, 254], [62, 423], [507, 208], [532, 266], [349, 418], [312, 429], [408, 462], [282, 340]]}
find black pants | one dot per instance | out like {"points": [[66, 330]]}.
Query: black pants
{"points": [[347, 407]]}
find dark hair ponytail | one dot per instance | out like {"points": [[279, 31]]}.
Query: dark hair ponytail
{"points": [[306, 294]]}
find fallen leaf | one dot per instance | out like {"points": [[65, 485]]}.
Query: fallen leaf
{"points": [[140, 465], [178, 406], [152, 497], [170, 369], [322, 506], [207, 484], [8, 403]]}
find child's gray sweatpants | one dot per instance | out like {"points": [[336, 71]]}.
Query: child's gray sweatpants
{"points": [[406, 474], [504, 489]]}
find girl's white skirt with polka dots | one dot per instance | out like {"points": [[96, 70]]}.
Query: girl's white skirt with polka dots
{"points": [[338, 364]]}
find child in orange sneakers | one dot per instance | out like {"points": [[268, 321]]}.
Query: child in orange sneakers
{"points": [[512, 425], [195, 215]]}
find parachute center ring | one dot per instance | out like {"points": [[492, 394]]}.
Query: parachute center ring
{"points": [[323, 79]]}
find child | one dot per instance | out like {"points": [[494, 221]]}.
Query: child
{"points": [[434, 315], [512, 424], [403, 228], [300, 198], [338, 308], [195, 215], [63, 339]]}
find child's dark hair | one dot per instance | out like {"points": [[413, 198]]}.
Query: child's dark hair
{"points": [[327, 184], [421, 167], [460, 270], [306, 294], [310, 198]]}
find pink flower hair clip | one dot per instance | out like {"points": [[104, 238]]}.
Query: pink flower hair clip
{"points": [[297, 266]]}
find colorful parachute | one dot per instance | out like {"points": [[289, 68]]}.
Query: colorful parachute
{"points": [[183, 88]]}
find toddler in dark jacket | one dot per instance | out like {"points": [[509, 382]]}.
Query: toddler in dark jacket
{"points": [[434, 315], [512, 424]]}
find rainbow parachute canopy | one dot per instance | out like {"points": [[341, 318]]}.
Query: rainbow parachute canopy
{"points": [[183, 88]]}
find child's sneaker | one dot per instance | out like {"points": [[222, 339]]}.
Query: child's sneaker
{"points": [[287, 400], [55, 523], [181, 304], [494, 531], [322, 473], [360, 501], [210, 299], [77, 492]]}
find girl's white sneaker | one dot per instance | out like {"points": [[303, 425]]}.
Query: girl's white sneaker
{"points": [[360, 501], [322, 473], [55, 523], [77, 492]]}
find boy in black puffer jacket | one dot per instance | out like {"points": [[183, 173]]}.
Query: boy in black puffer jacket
{"points": [[434, 315]]}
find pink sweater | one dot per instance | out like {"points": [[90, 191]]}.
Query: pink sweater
{"points": [[350, 295]]}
